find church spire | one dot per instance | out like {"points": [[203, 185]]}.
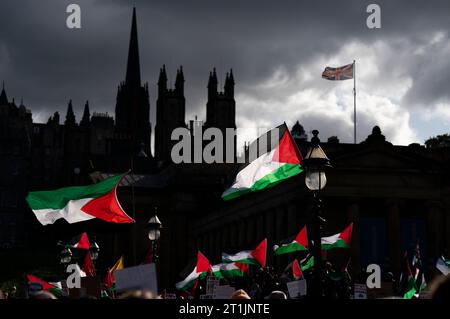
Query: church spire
{"points": [[179, 82], [229, 84], [212, 84], [86, 115], [70, 116], [162, 82], [133, 77], [3, 97]]}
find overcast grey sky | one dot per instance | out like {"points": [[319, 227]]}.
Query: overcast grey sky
{"points": [[277, 49]]}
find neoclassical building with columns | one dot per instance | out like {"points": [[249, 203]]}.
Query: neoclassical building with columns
{"points": [[395, 196]]}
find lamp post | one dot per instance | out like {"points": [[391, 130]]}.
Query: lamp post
{"points": [[65, 255], [154, 233], [315, 163], [94, 250]]}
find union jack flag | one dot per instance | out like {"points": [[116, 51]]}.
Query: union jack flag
{"points": [[338, 74]]}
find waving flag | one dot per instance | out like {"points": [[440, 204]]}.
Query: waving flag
{"points": [[298, 244], [340, 240], [338, 74], [281, 160], [200, 271], [231, 270], [252, 257], [80, 203]]}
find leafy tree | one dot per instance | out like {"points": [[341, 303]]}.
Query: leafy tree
{"points": [[438, 141]]}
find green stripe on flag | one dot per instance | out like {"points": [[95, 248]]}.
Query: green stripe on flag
{"points": [[268, 181], [59, 198], [289, 248]]}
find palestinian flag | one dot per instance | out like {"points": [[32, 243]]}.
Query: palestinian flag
{"points": [[45, 285], [80, 242], [200, 272], [80, 203], [231, 270], [278, 158], [252, 257], [307, 262], [216, 271], [411, 288], [297, 270], [300, 243], [443, 265], [340, 240], [88, 266]]}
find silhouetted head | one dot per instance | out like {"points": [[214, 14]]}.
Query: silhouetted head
{"points": [[440, 288], [277, 294], [240, 294], [42, 295]]}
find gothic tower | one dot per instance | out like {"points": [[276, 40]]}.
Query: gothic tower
{"points": [[170, 113], [221, 106], [132, 104]]}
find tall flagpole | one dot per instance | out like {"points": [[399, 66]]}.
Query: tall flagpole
{"points": [[354, 101], [133, 227]]}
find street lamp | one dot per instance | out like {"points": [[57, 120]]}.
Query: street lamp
{"points": [[315, 163], [94, 249], [66, 257], [154, 232]]}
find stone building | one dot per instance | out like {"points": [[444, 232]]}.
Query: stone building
{"points": [[396, 196]]}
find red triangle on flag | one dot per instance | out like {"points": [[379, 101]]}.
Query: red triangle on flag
{"points": [[242, 267], [83, 243], [260, 253], [296, 270], [346, 235], [302, 237], [88, 265], [107, 207], [203, 264], [287, 151], [45, 285]]}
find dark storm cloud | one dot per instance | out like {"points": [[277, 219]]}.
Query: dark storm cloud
{"points": [[47, 64]]}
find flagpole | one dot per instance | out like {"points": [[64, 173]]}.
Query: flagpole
{"points": [[354, 101], [133, 228]]}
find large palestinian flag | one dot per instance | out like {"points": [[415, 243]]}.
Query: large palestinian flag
{"points": [[298, 244], [252, 257], [340, 240], [80, 203], [200, 272], [278, 158]]}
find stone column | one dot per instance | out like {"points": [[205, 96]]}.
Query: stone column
{"points": [[435, 230], [353, 216], [250, 226], [393, 229], [269, 226], [281, 227], [218, 244], [225, 236], [292, 227], [242, 234], [234, 234], [260, 233]]}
